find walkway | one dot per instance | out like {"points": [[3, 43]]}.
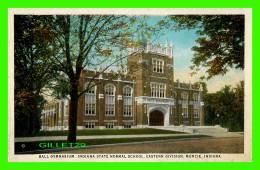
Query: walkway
{"points": [[52, 138], [213, 131]]}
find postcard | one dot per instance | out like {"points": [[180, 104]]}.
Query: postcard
{"points": [[130, 85]]}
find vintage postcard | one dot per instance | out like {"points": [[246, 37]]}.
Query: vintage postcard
{"points": [[130, 85]]}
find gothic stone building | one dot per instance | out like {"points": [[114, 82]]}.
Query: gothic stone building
{"points": [[144, 96]]}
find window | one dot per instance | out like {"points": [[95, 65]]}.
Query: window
{"points": [[158, 90], [185, 112], [90, 125], [110, 100], [90, 100], [127, 125], [184, 102], [67, 109], [196, 105], [109, 125], [196, 113], [184, 96], [158, 65], [127, 108]]}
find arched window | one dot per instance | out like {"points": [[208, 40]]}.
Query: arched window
{"points": [[127, 108], [90, 99], [184, 102], [110, 100], [196, 105]]}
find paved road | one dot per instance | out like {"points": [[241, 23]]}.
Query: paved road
{"points": [[212, 145]]}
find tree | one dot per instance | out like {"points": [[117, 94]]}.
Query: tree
{"points": [[204, 87], [33, 70], [239, 92], [220, 43], [226, 107], [89, 41]]}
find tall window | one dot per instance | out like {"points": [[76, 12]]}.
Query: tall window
{"points": [[184, 101], [158, 90], [90, 100], [110, 100], [196, 105], [67, 109], [158, 65], [127, 108]]}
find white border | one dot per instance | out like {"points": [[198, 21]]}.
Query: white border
{"points": [[247, 156]]}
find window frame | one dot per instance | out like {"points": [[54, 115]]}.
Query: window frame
{"points": [[156, 89], [91, 125], [109, 125], [196, 105], [111, 103], [127, 125], [92, 97], [158, 64], [128, 102]]}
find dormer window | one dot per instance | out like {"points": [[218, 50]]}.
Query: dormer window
{"points": [[158, 65]]}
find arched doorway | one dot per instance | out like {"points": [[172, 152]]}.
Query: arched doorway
{"points": [[156, 118]]}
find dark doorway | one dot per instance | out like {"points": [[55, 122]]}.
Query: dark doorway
{"points": [[156, 118]]}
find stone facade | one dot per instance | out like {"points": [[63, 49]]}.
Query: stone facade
{"points": [[146, 95]]}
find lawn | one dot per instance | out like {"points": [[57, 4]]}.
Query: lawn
{"points": [[25, 147], [92, 132]]}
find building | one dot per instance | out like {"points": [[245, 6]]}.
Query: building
{"points": [[146, 95]]}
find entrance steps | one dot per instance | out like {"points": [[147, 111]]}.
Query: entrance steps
{"points": [[181, 128], [215, 131]]}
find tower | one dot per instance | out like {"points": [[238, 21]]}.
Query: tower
{"points": [[152, 68]]}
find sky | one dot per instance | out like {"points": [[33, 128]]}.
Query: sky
{"points": [[182, 50]]}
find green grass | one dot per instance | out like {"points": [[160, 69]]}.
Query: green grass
{"points": [[33, 146], [108, 132]]}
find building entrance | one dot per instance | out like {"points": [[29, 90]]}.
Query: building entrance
{"points": [[156, 118]]}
